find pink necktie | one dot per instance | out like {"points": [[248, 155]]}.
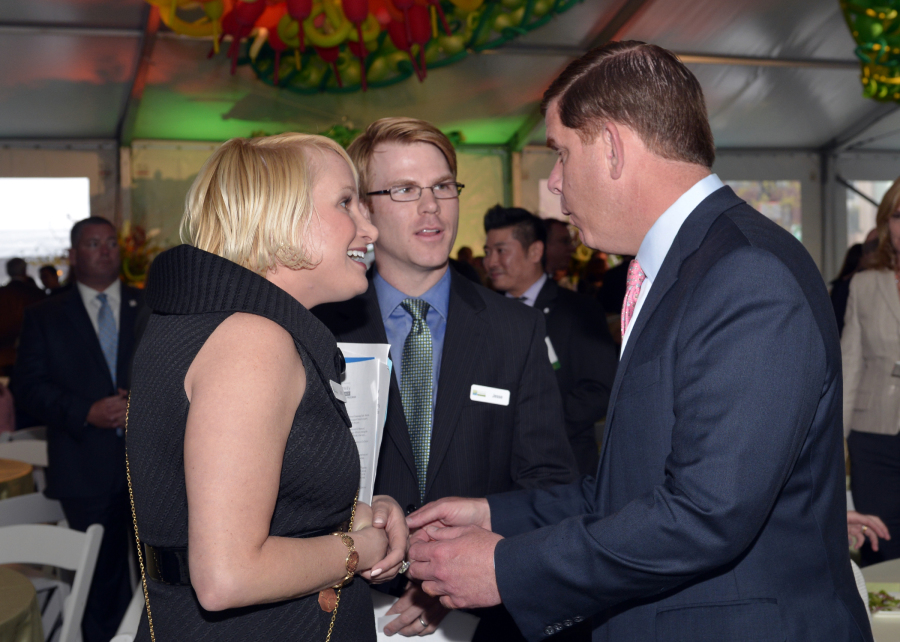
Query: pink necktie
{"points": [[633, 283]]}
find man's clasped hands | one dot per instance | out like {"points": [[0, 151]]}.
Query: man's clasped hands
{"points": [[450, 550]]}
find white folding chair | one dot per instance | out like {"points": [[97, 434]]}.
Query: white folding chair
{"points": [[35, 432], [31, 451], [52, 590], [61, 547], [861, 587], [33, 508], [128, 627]]}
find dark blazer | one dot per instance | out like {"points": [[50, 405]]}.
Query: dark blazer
{"points": [[60, 372], [719, 510], [576, 325], [476, 448], [15, 296]]}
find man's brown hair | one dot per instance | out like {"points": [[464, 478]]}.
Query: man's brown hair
{"points": [[644, 87], [396, 130]]}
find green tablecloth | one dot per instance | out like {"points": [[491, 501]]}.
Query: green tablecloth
{"points": [[20, 617]]}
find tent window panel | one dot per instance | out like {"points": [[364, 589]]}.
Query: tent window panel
{"points": [[860, 212], [36, 216], [780, 201]]}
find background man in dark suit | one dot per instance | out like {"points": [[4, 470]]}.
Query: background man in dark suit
{"points": [[473, 408], [719, 511], [580, 348], [15, 296], [72, 373], [559, 248]]}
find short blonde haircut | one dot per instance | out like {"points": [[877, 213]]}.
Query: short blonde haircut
{"points": [[396, 130], [252, 201]]}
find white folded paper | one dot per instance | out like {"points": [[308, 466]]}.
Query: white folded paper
{"points": [[456, 627], [366, 384]]}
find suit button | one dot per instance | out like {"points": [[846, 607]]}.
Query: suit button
{"points": [[567, 623], [411, 508], [549, 630], [558, 627], [578, 618]]}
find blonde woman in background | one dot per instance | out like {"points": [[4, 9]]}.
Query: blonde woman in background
{"points": [[870, 348], [243, 466]]}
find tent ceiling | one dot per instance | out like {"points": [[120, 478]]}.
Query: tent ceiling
{"points": [[776, 74]]}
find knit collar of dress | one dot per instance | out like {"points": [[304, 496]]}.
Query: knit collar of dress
{"points": [[187, 280]]}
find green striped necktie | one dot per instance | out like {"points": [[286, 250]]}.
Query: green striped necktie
{"points": [[416, 386]]}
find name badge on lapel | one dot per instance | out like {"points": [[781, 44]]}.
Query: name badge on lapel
{"points": [[485, 394], [554, 360], [338, 391]]}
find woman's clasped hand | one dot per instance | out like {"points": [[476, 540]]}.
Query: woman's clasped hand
{"points": [[380, 534]]}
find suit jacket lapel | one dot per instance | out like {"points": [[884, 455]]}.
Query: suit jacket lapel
{"points": [[81, 322], [686, 242], [547, 295], [128, 308], [462, 349], [888, 288], [371, 330]]}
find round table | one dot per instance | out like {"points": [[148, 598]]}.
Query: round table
{"points": [[15, 478], [884, 628], [20, 617]]}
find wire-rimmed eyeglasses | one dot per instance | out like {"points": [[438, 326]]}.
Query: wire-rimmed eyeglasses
{"points": [[407, 193]]}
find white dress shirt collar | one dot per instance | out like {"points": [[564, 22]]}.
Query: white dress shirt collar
{"points": [[92, 305], [529, 296], [659, 239]]}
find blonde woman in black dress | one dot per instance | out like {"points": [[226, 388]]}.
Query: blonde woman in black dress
{"points": [[242, 464]]}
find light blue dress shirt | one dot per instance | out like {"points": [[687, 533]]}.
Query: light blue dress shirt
{"points": [[529, 296], [659, 239], [398, 322]]}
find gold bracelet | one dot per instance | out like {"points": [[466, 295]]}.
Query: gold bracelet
{"points": [[352, 561]]}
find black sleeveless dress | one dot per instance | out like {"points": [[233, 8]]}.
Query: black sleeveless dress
{"points": [[191, 292]]}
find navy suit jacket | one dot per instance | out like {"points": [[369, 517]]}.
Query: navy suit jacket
{"points": [[576, 325], [60, 372], [476, 448], [719, 510]]}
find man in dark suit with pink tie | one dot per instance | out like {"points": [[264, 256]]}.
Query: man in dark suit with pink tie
{"points": [[718, 512]]}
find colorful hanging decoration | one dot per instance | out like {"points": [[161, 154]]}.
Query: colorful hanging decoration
{"points": [[348, 45], [137, 249], [875, 25]]}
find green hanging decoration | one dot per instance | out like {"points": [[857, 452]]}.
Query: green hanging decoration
{"points": [[311, 46], [390, 60], [875, 26]]}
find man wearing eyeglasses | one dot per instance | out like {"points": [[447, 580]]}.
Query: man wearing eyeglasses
{"points": [[473, 407]]}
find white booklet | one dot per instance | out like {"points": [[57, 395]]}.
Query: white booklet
{"points": [[456, 627], [366, 384]]}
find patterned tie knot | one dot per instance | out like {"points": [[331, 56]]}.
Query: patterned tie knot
{"points": [[102, 298], [417, 308], [635, 276]]}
